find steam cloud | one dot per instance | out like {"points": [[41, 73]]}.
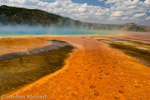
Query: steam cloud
{"points": [[13, 30], [23, 30]]}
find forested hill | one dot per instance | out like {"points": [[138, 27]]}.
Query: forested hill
{"points": [[15, 15]]}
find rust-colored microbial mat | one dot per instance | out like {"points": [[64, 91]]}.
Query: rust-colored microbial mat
{"points": [[94, 71]]}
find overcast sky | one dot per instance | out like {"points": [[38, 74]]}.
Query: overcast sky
{"points": [[97, 11]]}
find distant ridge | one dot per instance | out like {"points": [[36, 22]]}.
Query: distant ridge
{"points": [[15, 15]]}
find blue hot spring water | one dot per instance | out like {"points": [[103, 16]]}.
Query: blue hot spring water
{"points": [[24, 30]]}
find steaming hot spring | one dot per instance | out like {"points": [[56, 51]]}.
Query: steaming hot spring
{"points": [[24, 30]]}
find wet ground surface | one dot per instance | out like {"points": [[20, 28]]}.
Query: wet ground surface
{"points": [[139, 50], [94, 71], [18, 69]]}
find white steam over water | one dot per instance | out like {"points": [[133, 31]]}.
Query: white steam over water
{"points": [[23, 30]]}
